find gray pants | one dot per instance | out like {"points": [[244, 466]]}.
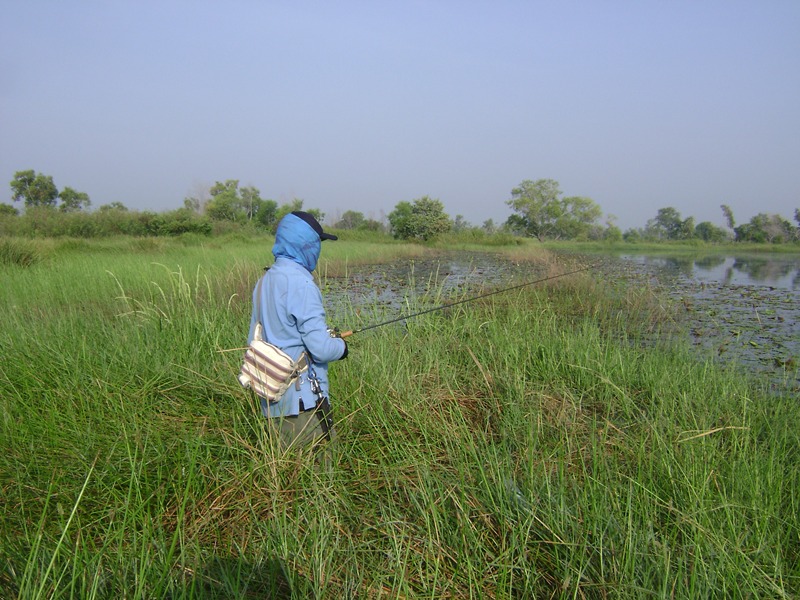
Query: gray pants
{"points": [[309, 429]]}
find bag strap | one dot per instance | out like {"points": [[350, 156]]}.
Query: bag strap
{"points": [[258, 334], [258, 297], [302, 363]]}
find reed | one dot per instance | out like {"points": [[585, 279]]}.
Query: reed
{"points": [[524, 445]]}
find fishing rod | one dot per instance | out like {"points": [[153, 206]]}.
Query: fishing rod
{"points": [[344, 334]]}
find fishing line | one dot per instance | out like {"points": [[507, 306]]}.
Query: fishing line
{"points": [[463, 301]]}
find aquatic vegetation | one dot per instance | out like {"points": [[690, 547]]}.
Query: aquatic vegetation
{"points": [[745, 310], [561, 440]]}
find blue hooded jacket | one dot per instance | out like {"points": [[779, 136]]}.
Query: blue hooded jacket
{"points": [[292, 315]]}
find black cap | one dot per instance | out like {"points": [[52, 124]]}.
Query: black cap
{"points": [[309, 218]]}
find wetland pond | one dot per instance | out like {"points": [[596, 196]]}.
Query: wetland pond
{"points": [[742, 309]]}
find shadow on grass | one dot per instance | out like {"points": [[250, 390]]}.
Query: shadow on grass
{"points": [[235, 578]]}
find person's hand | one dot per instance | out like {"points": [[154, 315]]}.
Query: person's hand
{"points": [[337, 333]]}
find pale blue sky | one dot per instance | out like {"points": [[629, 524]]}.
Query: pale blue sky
{"points": [[357, 105]]}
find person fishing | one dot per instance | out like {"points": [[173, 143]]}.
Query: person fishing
{"points": [[288, 304]]}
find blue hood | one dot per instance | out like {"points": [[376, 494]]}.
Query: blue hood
{"points": [[297, 241]]}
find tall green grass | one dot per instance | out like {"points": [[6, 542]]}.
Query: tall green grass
{"points": [[17, 252], [520, 446]]}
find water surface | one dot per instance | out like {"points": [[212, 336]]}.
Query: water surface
{"points": [[741, 309], [780, 271], [738, 309]]}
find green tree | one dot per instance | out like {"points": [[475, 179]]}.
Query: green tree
{"points": [[612, 233], [191, 204], [667, 225], [250, 201], [224, 204], [459, 224], [229, 202], [728, 213], [318, 214], [265, 213], [517, 225], [423, 219], [764, 228], [779, 230], [372, 225], [542, 213], [72, 201], [537, 206], [351, 219], [8, 210], [34, 188], [633, 235], [686, 231], [400, 220], [114, 206], [579, 216], [709, 232]]}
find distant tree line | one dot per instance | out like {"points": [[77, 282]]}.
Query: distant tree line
{"points": [[539, 210], [49, 212], [668, 225]]}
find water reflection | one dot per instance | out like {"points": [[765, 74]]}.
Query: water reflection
{"points": [[775, 271]]}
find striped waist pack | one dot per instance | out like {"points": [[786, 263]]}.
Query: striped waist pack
{"points": [[268, 370]]}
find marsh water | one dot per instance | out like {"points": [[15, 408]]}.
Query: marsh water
{"points": [[742, 309], [739, 309], [406, 286], [773, 271]]}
